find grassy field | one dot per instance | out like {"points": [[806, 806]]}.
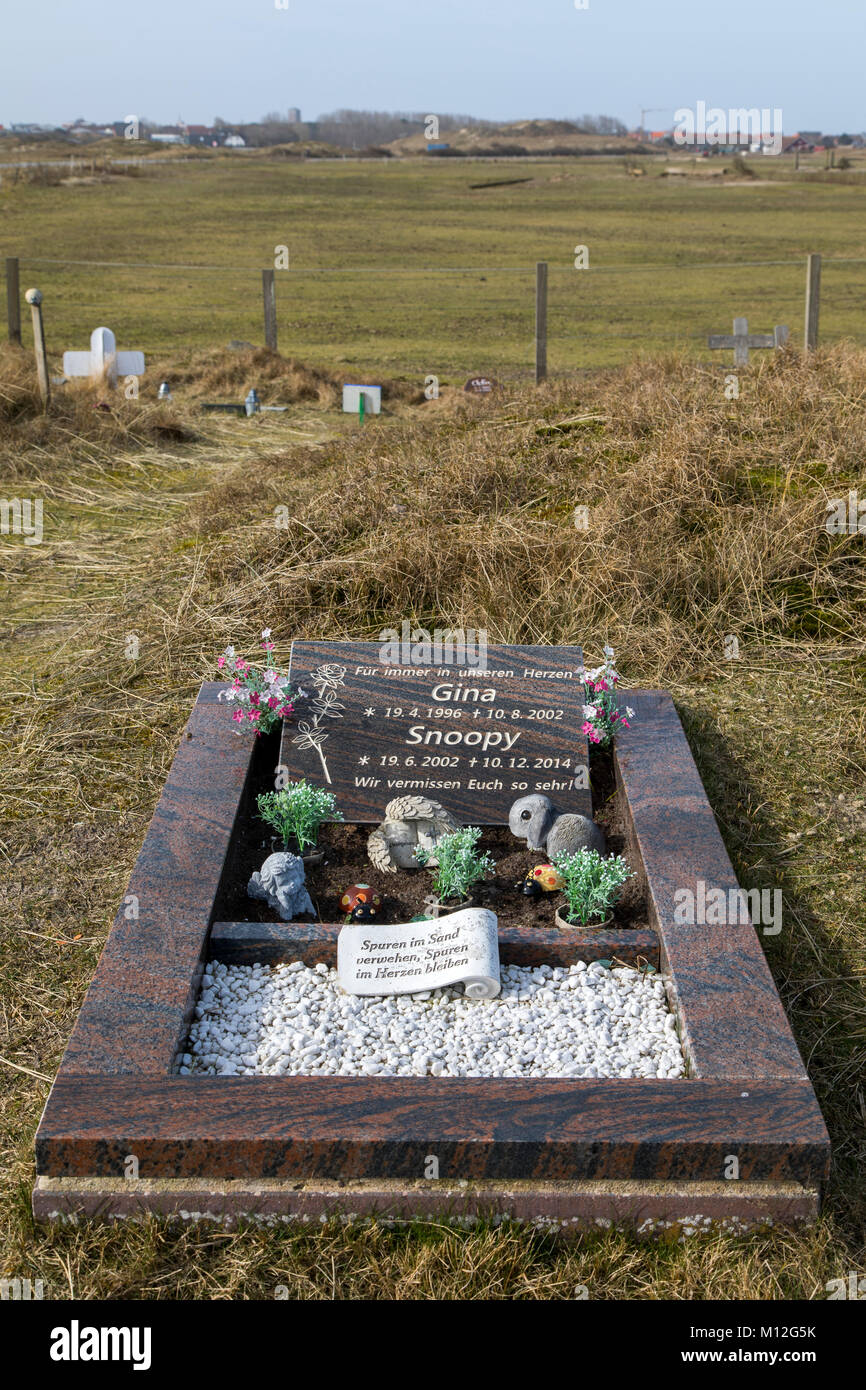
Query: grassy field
{"points": [[706, 519], [403, 268]]}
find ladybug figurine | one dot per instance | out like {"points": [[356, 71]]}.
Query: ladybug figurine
{"points": [[360, 903], [543, 879], [364, 912]]}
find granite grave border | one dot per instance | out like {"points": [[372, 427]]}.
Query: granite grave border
{"points": [[564, 1152]]}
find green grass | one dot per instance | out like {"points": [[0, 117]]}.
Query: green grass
{"points": [[438, 310]]}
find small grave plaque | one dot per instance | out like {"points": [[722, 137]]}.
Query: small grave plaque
{"points": [[461, 948], [380, 720], [353, 395], [480, 385]]}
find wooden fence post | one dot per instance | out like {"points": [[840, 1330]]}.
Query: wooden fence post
{"points": [[540, 321], [13, 301], [813, 302], [269, 292], [34, 299]]}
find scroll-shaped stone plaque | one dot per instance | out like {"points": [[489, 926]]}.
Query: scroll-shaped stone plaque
{"points": [[460, 948]]}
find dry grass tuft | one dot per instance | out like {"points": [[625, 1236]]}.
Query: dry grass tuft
{"points": [[705, 519]]}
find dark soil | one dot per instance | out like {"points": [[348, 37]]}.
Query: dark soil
{"points": [[404, 893]]}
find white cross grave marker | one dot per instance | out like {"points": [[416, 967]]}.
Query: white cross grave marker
{"points": [[103, 359], [741, 340]]}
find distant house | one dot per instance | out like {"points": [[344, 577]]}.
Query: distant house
{"points": [[791, 144], [199, 134]]}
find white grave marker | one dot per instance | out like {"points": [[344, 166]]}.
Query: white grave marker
{"points": [[741, 340], [372, 399], [460, 948], [103, 359]]}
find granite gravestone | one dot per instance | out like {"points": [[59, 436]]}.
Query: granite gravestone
{"points": [[375, 723]]}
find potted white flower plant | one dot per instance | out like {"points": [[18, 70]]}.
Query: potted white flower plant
{"points": [[459, 868], [296, 813], [591, 884]]}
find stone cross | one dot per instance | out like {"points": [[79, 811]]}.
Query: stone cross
{"points": [[103, 359], [741, 340]]}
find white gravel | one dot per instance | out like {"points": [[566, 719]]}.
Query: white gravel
{"points": [[294, 1019]]}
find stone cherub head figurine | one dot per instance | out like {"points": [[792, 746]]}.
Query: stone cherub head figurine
{"points": [[280, 883], [536, 820]]}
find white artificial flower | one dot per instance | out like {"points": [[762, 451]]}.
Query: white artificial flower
{"points": [[266, 634], [629, 712], [608, 651], [594, 675], [270, 677], [590, 711], [229, 652]]}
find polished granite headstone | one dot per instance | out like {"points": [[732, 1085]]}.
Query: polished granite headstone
{"points": [[471, 736]]}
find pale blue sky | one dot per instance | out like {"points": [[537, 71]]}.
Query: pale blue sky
{"points": [[103, 59]]}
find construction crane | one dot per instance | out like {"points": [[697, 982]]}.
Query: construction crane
{"points": [[648, 111]]}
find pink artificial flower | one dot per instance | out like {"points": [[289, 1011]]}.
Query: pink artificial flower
{"points": [[602, 684], [594, 736], [240, 665], [221, 661], [625, 723], [254, 697], [272, 702], [254, 714], [238, 716]]}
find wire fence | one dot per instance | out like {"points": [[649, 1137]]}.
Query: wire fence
{"points": [[447, 320]]}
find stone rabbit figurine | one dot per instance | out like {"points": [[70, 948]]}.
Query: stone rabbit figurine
{"points": [[536, 820]]}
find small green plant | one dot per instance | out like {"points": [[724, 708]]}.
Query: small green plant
{"points": [[460, 866], [297, 811], [591, 884]]}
